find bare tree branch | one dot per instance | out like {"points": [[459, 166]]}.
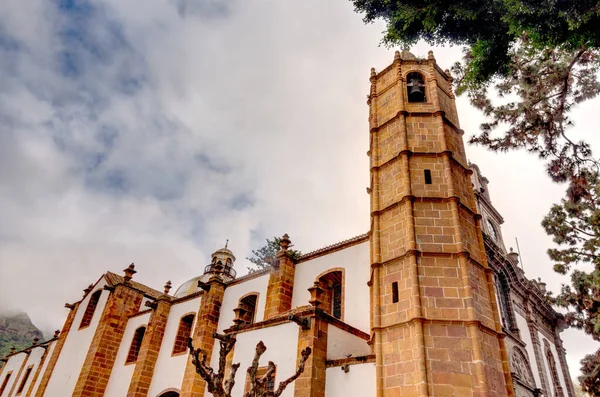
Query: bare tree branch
{"points": [[258, 386], [282, 385]]}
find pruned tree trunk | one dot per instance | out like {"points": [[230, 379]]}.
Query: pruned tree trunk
{"points": [[219, 387]]}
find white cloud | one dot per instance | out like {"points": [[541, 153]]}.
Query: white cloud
{"points": [[153, 133]]}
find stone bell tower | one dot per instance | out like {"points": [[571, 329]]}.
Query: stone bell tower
{"points": [[434, 320]]}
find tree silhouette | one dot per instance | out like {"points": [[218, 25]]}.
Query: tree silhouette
{"points": [[219, 387]]}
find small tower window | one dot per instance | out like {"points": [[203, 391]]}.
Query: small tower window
{"points": [[415, 87], [428, 177], [183, 333], [136, 344], [90, 309], [395, 296]]}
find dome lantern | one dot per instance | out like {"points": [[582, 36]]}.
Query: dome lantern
{"points": [[222, 263]]}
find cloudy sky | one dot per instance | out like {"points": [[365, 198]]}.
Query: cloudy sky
{"points": [[151, 132]]}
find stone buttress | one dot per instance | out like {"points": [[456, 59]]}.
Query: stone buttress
{"points": [[123, 301]]}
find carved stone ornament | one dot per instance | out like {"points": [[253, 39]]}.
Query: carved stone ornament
{"points": [[520, 366]]}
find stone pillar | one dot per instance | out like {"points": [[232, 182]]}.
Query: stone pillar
{"points": [[59, 343], [206, 325], [311, 383], [123, 302], [281, 282], [155, 331], [440, 334]]}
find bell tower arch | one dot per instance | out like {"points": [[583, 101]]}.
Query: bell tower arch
{"points": [[434, 320]]}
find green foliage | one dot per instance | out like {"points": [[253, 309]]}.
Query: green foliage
{"points": [[575, 228], [590, 374], [264, 257], [489, 28], [574, 225]]}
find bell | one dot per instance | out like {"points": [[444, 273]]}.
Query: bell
{"points": [[416, 92]]}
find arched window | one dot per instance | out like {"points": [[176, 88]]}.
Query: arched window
{"points": [[415, 87], [183, 333], [136, 343], [503, 295], [169, 393], [5, 382], [24, 380], [333, 297], [246, 310], [553, 371], [90, 309], [492, 230]]}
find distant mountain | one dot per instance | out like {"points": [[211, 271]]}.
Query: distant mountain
{"points": [[16, 329]]}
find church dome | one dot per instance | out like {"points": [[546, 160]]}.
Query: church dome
{"points": [[189, 287]]}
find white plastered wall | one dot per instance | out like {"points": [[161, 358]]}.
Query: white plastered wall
{"points": [[282, 348], [72, 356], [561, 378], [341, 343], [169, 370], [13, 364], [526, 337], [120, 376], [358, 382], [34, 359], [50, 350], [356, 264], [233, 294]]}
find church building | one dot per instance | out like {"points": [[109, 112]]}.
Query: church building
{"points": [[428, 302]]}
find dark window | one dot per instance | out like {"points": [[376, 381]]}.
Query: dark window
{"points": [[6, 379], [90, 309], [427, 177], [332, 300], [415, 87], [503, 300], [136, 343], [248, 304], [24, 381], [260, 372], [170, 394], [336, 307], [271, 384], [183, 333], [395, 292]]}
